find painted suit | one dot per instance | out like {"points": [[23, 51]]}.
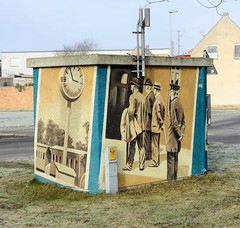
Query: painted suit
{"points": [[137, 114], [176, 131], [158, 117], [150, 98]]}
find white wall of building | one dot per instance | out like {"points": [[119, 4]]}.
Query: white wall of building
{"points": [[14, 63]]}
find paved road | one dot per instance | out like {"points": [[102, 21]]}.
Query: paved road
{"points": [[13, 148], [27, 131], [16, 143], [225, 127]]}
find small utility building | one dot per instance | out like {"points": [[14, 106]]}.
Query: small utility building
{"points": [[85, 103]]}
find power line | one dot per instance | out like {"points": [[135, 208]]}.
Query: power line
{"points": [[212, 5], [152, 2]]}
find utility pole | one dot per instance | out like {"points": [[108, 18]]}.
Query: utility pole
{"points": [[171, 41], [179, 41]]}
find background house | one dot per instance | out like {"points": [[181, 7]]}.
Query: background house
{"points": [[14, 63], [223, 45], [16, 79]]}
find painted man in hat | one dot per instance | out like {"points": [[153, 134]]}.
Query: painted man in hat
{"points": [[158, 117], [176, 131], [150, 98], [137, 115]]}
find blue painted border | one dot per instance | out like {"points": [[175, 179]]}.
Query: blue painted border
{"points": [[46, 180], [35, 91], [97, 129], [199, 160]]}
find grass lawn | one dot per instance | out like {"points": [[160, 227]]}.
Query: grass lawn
{"points": [[212, 200]]}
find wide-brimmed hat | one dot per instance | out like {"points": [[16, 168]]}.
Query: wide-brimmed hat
{"points": [[148, 82], [174, 87], [157, 86], [134, 81]]}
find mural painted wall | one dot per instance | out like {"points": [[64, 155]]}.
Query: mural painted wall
{"points": [[151, 121], [82, 110], [63, 120]]}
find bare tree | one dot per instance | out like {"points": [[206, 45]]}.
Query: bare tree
{"points": [[82, 47]]}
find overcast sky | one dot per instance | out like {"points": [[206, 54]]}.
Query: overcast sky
{"points": [[43, 25]]}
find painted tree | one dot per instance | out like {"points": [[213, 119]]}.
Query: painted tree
{"points": [[80, 145], [51, 133], [41, 129], [55, 135]]}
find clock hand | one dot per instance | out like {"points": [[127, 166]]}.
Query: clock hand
{"points": [[71, 73], [72, 76]]}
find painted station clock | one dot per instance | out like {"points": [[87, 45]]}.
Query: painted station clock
{"points": [[71, 82]]}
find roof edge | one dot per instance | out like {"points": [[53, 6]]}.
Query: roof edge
{"points": [[101, 59]]}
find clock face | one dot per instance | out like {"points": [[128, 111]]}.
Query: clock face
{"points": [[71, 82]]}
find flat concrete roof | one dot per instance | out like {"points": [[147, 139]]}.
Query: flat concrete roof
{"points": [[101, 59]]}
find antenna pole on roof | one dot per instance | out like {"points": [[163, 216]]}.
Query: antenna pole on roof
{"points": [[142, 23]]}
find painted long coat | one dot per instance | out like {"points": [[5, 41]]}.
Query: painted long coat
{"points": [[137, 110], [150, 98], [127, 128], [158, 114], [176, 126]]}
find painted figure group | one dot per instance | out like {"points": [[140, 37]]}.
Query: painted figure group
{"points": [[142, 123]]}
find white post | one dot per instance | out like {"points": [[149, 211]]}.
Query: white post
{"points": [[65, 147]]}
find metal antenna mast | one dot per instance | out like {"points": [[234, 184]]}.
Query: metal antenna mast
{"points": [[142, 23]]}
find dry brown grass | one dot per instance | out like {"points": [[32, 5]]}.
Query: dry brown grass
{"points": [[212, 200]]}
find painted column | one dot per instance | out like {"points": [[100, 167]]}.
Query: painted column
{"points": [[199, 162], [97, 129], [35, 90]]}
